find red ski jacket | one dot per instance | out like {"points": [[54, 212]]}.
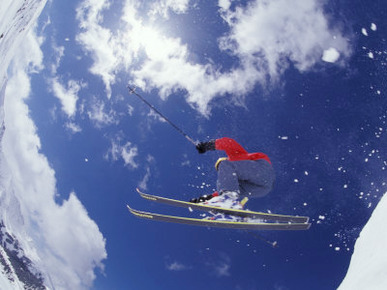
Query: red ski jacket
{"points": [[236, 152]]}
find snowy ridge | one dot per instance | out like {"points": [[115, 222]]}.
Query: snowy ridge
{"points": [[367, 269], [17, 270], [16, 18], [43, 243], [15, 266]]}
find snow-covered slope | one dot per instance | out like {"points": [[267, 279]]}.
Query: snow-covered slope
{"points": [[16, 18], [368, 267], [42, 243], [17, 271]]}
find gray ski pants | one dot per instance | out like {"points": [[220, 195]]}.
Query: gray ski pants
{"points": [[252, 178]]}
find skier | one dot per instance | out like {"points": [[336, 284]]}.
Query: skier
{"points": [[240, 175]]}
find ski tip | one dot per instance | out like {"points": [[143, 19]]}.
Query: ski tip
{"points": [[129, 209], [140, 192]]}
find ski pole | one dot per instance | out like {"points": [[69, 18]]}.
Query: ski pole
{"points": [[132, 91]]}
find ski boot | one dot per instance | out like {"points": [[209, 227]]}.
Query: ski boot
{"points": [[227, 199], [204, 198]]}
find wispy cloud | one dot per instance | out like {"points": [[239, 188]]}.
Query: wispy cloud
{"points": [[144, 182], [100, 115], [67, 94], [163, 7], [127, 152], [177, 266], [59, 54], [73, 128], [222, 270], [220, 266], [150, 163]]}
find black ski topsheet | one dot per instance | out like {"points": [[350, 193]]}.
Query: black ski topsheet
{"points": [[235, 212], [220, 223]]}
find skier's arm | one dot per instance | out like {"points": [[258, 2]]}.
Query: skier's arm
{"points": [[230, 146]]}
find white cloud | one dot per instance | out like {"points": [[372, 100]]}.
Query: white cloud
{"points": [[60, 239], [166, 64], [176, 266], [126, 152], [144, 182], [224, 4], [67, 95], [222, 270], [130, 110], [98, 40], [264, 37], [100, 116], [162, 7], [221, 266], [74, 128], [59, 54], [267, 33]]}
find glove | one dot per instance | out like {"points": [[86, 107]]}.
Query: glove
{"points": [[203, 147]]}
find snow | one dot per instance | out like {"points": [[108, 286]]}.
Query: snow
{"points": [[59, 241], [16, 18], [367, 269], [330, 55], [6, 283]]}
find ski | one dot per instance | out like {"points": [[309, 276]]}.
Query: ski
{"points": [[241, 213], [243, 225]]}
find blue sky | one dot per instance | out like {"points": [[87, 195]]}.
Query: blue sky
{"points": [[303, 82]]}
